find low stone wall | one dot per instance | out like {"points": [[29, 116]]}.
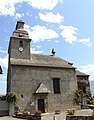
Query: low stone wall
{"points": [[70, 117], [4, 109]]}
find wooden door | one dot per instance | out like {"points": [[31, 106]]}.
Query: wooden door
{"points": [[41, 105]]}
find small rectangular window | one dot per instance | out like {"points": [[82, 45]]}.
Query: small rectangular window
{"points": [[56, 85], [21, 44]]}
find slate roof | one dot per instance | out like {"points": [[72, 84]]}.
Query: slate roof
{"points": [[79, 73], [42, 89], [43, 60]]}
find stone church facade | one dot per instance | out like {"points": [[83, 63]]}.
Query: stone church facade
{"points": [[42, 82]]}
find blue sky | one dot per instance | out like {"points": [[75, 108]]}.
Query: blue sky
{"points": [[65, 25]]}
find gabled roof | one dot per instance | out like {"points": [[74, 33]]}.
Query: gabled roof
{"points": [[1, 70], [79, 73], [43, 60], [42, 89]]}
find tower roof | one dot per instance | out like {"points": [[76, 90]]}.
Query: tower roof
{"points": [[19, 31], [20, 25]]}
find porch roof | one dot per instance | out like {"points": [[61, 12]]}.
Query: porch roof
{"points": [[42, 89]]}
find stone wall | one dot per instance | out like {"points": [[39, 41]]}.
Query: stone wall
{"points": [[26, 79], [14, 48], [79, 117], [4, 109]]}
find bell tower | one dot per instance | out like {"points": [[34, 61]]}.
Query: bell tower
{"points": [[19, 45]]}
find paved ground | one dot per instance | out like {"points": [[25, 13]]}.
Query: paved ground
{"points": [[51, 116], [9, 118], [84, 112], [62, 116]]}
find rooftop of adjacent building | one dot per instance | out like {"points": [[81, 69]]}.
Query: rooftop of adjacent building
{"points": [[81, 73]]}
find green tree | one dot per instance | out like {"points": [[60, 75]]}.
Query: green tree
{"points": [[77, 98], [12, 97]]}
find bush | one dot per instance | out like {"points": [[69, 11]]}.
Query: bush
{"points": [[11, 97], [77, 98]]}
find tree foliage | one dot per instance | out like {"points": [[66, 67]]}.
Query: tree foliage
{"points": [[12, 97], [77, 98]]}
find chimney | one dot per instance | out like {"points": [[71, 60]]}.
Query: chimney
{"points": [[20, 25], [53, 52]]}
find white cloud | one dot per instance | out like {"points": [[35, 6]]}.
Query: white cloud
{"points": [[88, 69], [86, 41], [18, 15], [56, 41], [8, 6], [3, 79], [2, 82], [2, 51], [52, 18], [40, 33], [69, 33], [38, 46], [4, 62], [43, 4], [33, 50]]}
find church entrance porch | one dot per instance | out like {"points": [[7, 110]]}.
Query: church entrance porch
{"points": [[41, 96], [41, 102]]}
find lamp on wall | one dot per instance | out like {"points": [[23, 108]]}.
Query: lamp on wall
{"points": [[32, 104]]}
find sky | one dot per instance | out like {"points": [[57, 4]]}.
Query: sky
{"points": [[65, 25]]}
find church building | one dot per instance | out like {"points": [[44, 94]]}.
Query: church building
{"points": [[42, 82]]}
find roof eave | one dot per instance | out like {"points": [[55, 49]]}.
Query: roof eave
{"points": [[46, 66]]}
